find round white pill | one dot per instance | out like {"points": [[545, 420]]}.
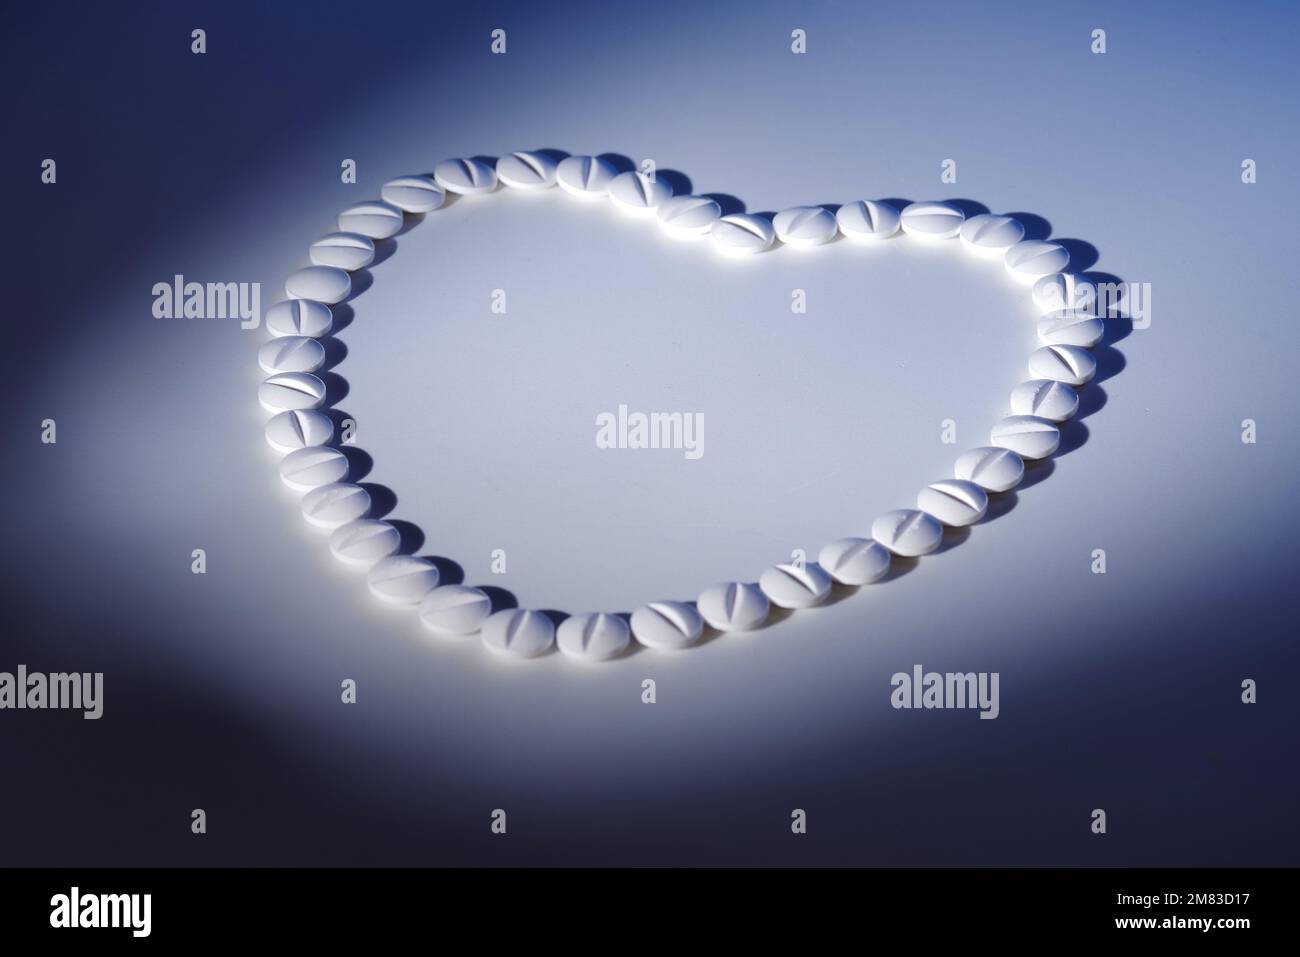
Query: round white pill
{"points": [[291, 354], [867, 220], [733, 606], [291, 391], [526, 170], [742, 234], [992, 469], [321, 283], [594, 637], [804, 225], [373, 218], [311, 467], [1032, 259], [1068, 364], [455, 609], [667, 625], [1064, 290], [931, 221], [688, 215], [363, 543], [954, 502], [795, 586], [1029, 436], [989, 235], [1044, 398], [333, 505], [350, 251], [586, 177], [469, 177], [402, 579], [908, 532], [1070, 327], [519, 633], [299, 317], [413, 194], [635, 192], [854, 561], [298, 430]]}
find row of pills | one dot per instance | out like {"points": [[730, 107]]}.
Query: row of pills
{"points": [[294, 395]]}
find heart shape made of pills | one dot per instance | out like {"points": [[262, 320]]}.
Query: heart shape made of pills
{"points": [[1071, 325]]}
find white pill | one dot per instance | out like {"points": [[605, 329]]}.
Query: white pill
{"points": [[526, 170], [1044, 398], [350, 251], [991, 236], [333, 505], [594, 637], [992, 469], [586, 177], [299, 317], [908, 532], [1064, 290], [321, 283], [688, 215], [867, 220], [455, 609], [311, 467], [373, 218], [291, 354], [742, 234], [291, 391], [795, 586], [298, 430], [854, 561], [402, 579], [804, 225], [954, 502], [1070, 327], [733, 606], [635, 192], [519, 633], [363, 543], [469, 177], [931, 221], [1029, 436], [1068, 364], [414, 194], [1032, 259], [667, 625]]}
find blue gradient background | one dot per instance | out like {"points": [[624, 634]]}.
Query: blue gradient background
{"points": [[1119, 692]]}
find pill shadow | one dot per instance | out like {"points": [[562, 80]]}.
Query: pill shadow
{"points": [[382, 499], [360, 463], [969, 207], [1110, 362], [557, 155], [343, 316], [336, 387], [899, 565], [384, 249], [503, 600], [730, 205], [362, 280], [1036, 472], [1036, 227], [449, 570], [838, 593], [409, 222], [410, 538], [1091, 401], [556, 616], [999, 505], [1073, 436], [897, 202], [336, 351], [952, 537], [679, 181], [1117, 328], [1083, 255], [620, 162]]}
